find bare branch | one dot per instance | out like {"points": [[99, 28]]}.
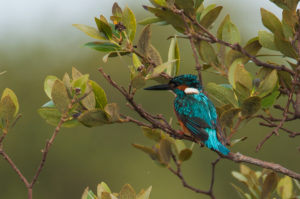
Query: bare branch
{"points": [[179, 174]]}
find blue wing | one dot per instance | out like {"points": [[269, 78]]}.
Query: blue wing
{"points": [[194, 112]]}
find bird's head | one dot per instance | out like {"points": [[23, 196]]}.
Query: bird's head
{"points": [[187, 84]]}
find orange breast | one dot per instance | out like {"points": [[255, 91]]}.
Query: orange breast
{"points": [[185, 130]]}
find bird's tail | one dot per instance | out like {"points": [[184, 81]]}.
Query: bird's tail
{"points": [[213, 143]]}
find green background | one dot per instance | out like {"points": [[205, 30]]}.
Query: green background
{"points": [[81, 156]]}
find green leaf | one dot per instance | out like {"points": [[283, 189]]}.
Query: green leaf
{"points": [[13, 97], [165, 151], [230, 33], [207, 53], [284, 46], [75, 73], [81, 83], [103, 46], [104, 27], [149, 20], [147, 150], [241, 193], [144, 194], [116, 10], [100, 95], [185, 154], [90, 31], [221, 94], [60, 96], [240, 177], [89, 101], [251, 105], [187, 6], [268, 84], [173, 55], [102, 187], [88, 194], [220, 29], [143, 44], [270, 21], [159, 3], [127, 192], [266, 39], [238, 74], [53, 116], [48, 84], [285, 187], [245, 170], [269, 185], [166, 15], [179, 146], [270, 99], [198, 3], [242, 76], [67, 82], [210, 17], [297, 183], [159, 69], [280, 3], [129, 22], [227, 117], [153, 134], [136, 61], [113, 112], [236, 141], [7, 110], [91, 118], [155, 56], [105, 195]]}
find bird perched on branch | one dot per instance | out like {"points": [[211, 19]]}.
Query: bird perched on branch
{"points": [[195, 112]]}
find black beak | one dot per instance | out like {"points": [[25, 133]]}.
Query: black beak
{"points": [[159, 87]]}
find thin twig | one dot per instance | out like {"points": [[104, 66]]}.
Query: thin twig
{"points": [[285, 114], [50, 142], [193, 46]]}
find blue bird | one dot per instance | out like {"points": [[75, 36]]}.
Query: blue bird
{"points": [[195, 112]]}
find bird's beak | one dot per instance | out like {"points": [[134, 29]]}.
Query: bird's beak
{"points": [[159, 87]]}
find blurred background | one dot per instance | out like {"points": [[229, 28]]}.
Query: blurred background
{"points": [[37, 39]]}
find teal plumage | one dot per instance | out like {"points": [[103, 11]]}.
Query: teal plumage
{"points": [[195, 112]]}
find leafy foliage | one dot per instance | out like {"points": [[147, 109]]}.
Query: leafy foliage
{"points": [[127, 192], [164, 148], [92, 110], [264, 184]]}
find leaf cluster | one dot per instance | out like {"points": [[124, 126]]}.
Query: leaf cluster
{"points": [[164, 148], [265, 184], [127, 192], [92, 109]]}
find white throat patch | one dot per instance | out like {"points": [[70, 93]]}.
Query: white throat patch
{"points": [[189, 90]]}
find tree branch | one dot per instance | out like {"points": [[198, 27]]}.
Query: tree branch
{"points": [[179, 174], [236, 157], [193, 46]]}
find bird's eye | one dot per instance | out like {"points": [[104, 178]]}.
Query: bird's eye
{"points": [[172, 85]]}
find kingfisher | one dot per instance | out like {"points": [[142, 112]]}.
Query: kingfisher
{"points": [[195, 112]]}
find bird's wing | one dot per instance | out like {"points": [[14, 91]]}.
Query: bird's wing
{"points": [[196, 126], [195, 115]]}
